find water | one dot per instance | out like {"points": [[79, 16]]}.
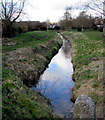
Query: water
{"points": [[56, 82]]}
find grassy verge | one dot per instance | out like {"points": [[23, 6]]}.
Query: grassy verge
{"points": [[24, 59], [88, 62], [29, 39]]}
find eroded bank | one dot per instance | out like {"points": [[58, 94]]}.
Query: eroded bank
{"points": [[21, 69]]}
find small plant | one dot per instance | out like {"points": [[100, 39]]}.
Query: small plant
{"points": [[95, 84], [78, 86]]}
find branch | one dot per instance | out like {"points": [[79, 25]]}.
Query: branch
{"points": [[97, 5], [93, 8], [11, 9], [21, 9], [4, 9]]}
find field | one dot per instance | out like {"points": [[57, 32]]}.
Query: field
{"points": [[87, 53]]}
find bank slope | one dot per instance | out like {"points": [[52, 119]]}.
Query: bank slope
{"points": [[87, 53], [25, 57]]}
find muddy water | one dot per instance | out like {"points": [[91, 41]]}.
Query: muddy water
{"points": [[56, 82]]}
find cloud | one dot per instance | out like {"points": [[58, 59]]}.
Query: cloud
{"points": [[40, 10]]}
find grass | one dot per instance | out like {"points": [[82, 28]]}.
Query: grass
{"points": [[94, 35], [26, 57], [29, 39], [96, 97], [96, 84], [88, 60]]}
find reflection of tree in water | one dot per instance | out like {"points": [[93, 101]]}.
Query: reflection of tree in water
{"points": [[66, 49]]}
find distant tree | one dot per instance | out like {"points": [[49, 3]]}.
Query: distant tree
{"points": [[11, 11], [33, 25], [83, 21], [62, 24], [47, 23], [43, 26], [56, 27], [66, 22], [99, 7], [21, 26]]}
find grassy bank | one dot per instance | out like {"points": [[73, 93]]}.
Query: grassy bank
{"points": [[24, 59], [29, 39], [88, 63]]}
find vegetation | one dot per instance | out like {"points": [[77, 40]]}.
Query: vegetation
{"points": [[11, 11], [26, 56], [24, 59], [88, 62], [29, 39], [84, 21]]}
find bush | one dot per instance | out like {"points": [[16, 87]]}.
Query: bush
{"points": [[57, 27], [79, 29], [100, 28], [22, 27], [9, 31]]}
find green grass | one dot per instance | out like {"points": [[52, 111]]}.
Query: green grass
{"points": [[87, 46], [96, 84], [96, 97], [94, 35], [29, 39], [20, 102]]}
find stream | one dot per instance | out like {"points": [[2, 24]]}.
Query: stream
{"points": [[56, 82]]}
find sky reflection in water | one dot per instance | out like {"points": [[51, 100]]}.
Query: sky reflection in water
{"points": [[56, 82]]}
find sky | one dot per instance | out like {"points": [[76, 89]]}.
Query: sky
{"points": [[41, 10]]}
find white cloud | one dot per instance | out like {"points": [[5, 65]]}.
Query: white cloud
{"points": [[40, 10]]}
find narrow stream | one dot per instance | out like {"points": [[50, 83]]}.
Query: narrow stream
{"points": [[56, 82]]}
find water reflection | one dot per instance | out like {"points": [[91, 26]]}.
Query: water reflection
{"points": [[56, 82]]}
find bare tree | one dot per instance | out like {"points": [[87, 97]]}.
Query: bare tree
{"points": [[83, 21], [99, 7], [66, 22], [96, 5], [11, 11]]}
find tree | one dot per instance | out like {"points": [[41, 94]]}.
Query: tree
{"points": [[83, 21], [66, 22], [11, 11], [47, 23], [96, 5], [99, 7]]}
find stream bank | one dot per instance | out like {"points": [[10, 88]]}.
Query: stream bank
{"points": [[88, 59], [21, 69]]}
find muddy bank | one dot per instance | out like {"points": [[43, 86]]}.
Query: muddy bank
{"points": [[21, 70], [30, 63], [40, 56]]}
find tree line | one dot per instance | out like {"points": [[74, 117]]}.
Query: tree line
{"points": [[82, 22], [22, 27], [12, 9]]}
